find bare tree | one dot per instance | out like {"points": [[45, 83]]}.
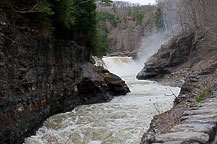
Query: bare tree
{"points": [[191, 14]]}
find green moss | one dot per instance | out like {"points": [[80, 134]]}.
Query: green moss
{"points": [[101, 68], [206, 92], [157, 116]]}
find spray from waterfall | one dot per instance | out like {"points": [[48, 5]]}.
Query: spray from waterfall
{"points": [[123, 66], [150, 45]]}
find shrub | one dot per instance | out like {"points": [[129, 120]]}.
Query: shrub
{"points": [[206, 92]]}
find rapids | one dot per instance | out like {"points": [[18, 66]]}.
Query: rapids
{"points": [[121, 121]]}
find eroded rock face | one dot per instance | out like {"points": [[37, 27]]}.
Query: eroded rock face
{"points": [[116, 86], [198, 125], [42, 77], [171, 55], [189, 121]]}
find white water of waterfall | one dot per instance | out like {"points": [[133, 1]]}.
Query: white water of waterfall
{"points": [[121, 121]]}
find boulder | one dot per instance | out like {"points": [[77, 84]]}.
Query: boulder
{"points": [[116, 86]]}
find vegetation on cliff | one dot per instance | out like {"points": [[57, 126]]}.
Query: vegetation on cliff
{"points": [[43, 70], [65, 19], [123, 25]]}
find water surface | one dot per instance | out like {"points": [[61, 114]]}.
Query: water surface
{"points": [[121, 121]]}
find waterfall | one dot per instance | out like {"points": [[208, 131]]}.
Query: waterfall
{"points": [[122, 66]]}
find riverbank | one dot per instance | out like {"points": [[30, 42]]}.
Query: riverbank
{"points": [[122, 120], [197, 125], [188, 61]]}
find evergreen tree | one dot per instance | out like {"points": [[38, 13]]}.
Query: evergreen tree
{"points": [[158, 19], [138, 15], [65, 12], [64, 19], [1, 3]]}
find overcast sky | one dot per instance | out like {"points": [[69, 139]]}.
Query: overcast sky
{"points": [[142, 2]]}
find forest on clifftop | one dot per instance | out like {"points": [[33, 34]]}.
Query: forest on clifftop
{"points": [[123, 25], [62, 19]]}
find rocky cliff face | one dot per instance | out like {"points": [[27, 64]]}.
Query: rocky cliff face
{"points": [[190, 62], [41, 77], [171, 55]]}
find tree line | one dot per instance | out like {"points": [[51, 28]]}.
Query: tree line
{"points": [[189, 14], [123, 24], [63, 19]]}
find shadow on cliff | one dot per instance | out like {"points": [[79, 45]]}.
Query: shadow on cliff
{"points": [[41, 77]]}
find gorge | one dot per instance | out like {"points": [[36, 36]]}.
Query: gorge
{"points": [[123, 120], [157, 83]]}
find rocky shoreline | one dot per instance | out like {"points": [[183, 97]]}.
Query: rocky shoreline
{"points": [[188, 62], [197, 125], [42, 77]]}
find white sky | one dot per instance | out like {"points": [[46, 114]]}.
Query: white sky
{"points": [[142, 2]]}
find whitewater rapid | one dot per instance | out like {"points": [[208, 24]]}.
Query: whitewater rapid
{"points": [[121, 121]]}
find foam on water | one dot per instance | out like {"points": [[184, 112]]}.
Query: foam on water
{"points": [[121, 121]]}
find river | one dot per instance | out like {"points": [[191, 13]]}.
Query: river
{"points": [[121, 121]]}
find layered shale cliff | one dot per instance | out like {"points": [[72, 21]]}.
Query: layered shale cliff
{"points": [[188, 60], [41, 77]]}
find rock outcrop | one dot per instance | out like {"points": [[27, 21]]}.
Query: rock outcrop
{"points": [[197, 125], [116, 86], [169, 56], [41, 77], [195, 68]]}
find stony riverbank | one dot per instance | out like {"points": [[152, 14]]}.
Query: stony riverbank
{"points": [[188, 61], [198, 125]]}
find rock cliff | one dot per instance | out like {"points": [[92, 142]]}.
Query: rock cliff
{"points": [[188, 61], [41, 77], [169, 57]]}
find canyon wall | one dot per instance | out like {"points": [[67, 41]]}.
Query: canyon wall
{"points": [[189, 61], [42, 77]]}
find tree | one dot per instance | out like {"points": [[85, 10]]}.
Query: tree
{"points": [[65, 13], [63, 19], [159, 21], [105, 2], [1, 3], [138, 15]]}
